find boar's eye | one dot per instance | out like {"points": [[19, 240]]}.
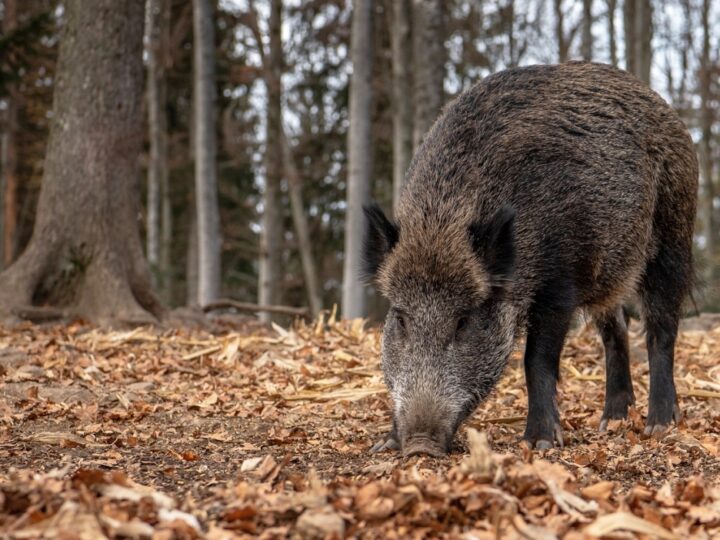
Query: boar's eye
{"points": [[461, 325], [400, 321]]}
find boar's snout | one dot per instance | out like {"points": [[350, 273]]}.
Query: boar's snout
{"points": [[427, 425], [424, 444]]}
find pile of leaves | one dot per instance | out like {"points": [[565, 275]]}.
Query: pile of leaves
{"points": [[245, 431]]}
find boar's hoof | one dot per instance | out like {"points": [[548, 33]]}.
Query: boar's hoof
{"points": [[543, 445], [656, 430], [387, 443], [546, 444], [416, 446], [616, 408]]}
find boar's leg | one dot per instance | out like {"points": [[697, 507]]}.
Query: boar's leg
{"points": [[618, 384], [663, 289], [547, 328], [388, 442]]}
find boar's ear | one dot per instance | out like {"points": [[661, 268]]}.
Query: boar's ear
{"points": [[494, 242], [381, 235]]}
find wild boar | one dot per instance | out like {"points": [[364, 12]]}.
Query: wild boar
{"points": [[540, 191]]}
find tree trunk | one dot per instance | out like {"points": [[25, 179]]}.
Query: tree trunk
{"points": [[271, 240], [637, 20], [166, 221], [687, 47], [587, 38], [612, 35], [208, 215], [301, 227], [360, 155], [85, 253], [512, 40], [166, 237], [157, 123], [9, 151], [706, 153], [401, 41], [560, 31], [629, 15], [644, 29], [191, 264], [428, 37]]}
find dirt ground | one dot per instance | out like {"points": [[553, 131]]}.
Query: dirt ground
{"points": [[244, 431]]}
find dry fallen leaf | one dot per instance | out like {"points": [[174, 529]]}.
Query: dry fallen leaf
{"points": [[600, 491], [480, 461], [623, 521]]}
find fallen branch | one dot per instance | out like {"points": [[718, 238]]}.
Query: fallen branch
{"points": [[40, 314], [696, 392], [226, 303]]}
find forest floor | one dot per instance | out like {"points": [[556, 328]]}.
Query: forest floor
{"points": [[244, 431]]}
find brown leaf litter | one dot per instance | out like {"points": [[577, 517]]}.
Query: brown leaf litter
{"points": [[249, 432]]}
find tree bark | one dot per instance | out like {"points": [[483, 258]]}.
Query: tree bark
{"points": [[10, 151], [637, 20], [85, 253], [401, 42], [428, 37], [644, 29], [157, 123], [360, 155], [271, 240], [191, 264], [612, 35], [208, 214], [301, 226], [164, 22], [560, 31], [512, 40], [687, 47], [587, 38], [706, 153]]}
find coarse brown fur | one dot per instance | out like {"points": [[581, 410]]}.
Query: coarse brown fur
{"points": [[601, 175]]}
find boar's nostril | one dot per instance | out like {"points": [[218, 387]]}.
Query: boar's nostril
{"points": [[423, 445]]}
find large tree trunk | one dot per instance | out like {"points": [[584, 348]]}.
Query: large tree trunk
{"points": [[587, 38], [428, 36], [208, 214], [301, 227], [85, 253], [271, 240], [360, 156], [637, 20], [401, 41], [8, 150], [706, 153], [612, 35]]}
